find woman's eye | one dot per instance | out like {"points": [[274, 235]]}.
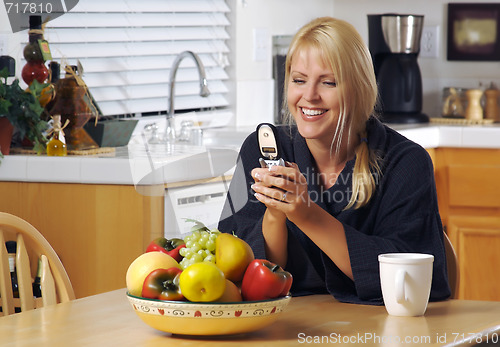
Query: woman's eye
{"points": [[330, 83], [298, 81]]}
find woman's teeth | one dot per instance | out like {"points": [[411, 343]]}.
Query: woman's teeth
{"points": [[309, 112]]}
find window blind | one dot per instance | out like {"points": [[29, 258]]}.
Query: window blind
{"points": [[127, 47]]}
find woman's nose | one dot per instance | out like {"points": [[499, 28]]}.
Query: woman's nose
{"points": [[311, 92]]}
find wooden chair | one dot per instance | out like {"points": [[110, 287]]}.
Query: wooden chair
{"points": [[31, 246], [452, 265]]}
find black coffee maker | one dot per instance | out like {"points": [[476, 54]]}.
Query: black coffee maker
{"points": [[394, 43]]}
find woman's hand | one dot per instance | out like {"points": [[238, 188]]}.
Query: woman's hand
{"points": [[282, 188], [284, 191]]}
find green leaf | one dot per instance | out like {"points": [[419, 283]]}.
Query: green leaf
{"points": [[197, 224], [23, 109], [4, 73], [37, 87]]}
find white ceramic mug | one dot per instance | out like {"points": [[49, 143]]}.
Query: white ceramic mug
{"points": [[406, 282]]}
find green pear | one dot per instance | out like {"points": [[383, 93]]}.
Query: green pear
{"points": [[232, 256]]}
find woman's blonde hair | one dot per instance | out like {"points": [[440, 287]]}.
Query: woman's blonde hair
{"points": [[344, 51]]}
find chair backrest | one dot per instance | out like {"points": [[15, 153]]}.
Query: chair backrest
{"points": [[452, 265], [31, 246]]}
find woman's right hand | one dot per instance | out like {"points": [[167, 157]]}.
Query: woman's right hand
{"points": [[283, 188]]}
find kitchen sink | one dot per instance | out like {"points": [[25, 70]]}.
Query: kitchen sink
{"points": [[225, 137]]}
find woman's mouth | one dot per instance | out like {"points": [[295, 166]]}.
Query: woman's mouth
{"points": [[310, 113]]}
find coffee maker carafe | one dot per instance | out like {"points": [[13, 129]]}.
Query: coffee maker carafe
{"points": [[394, 43]]}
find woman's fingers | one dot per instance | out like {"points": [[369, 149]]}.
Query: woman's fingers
{"points": [[270, 192], [279, 184]]}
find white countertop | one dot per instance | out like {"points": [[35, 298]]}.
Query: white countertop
{"points": [[432, 135], [135, 165]]}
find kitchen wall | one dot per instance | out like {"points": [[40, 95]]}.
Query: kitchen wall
{"points": [[254, 94]]}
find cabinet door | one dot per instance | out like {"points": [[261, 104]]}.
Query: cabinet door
{"points": [[477, 243]]}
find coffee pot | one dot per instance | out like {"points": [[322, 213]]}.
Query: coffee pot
{"points": [[394, 43]]}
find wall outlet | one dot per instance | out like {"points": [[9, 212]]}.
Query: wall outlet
{"points": [[429, 43], [261, 48]]}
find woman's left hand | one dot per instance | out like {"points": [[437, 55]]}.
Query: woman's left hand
{"points": [[283, 188]]}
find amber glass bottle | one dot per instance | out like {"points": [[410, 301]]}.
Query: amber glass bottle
{"points": [[56, 146], [70, 104]]}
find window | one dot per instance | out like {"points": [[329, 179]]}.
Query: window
{"points": [[126, 48]]}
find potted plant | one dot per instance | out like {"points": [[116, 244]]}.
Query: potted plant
{"points": [[23, 110]]}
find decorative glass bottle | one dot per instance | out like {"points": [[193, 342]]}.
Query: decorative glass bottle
{"points": [[35, 63], [70, 104]]}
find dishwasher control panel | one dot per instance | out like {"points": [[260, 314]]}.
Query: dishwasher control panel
{"points": [[203, 202]]}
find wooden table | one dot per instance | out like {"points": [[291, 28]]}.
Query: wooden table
{"points": [[109, 320]]}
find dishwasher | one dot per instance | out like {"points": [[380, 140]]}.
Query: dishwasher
{"points": [[202, 202]]}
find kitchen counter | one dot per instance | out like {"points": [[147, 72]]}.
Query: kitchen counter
{"points": [[139, 164]]}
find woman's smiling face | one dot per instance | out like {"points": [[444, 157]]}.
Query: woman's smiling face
{"points": [[312, 96]]}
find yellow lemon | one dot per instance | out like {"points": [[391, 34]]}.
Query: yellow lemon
{"points": [[203, 282]]}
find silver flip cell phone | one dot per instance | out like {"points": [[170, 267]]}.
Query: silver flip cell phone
{"points": [[266, 135]]}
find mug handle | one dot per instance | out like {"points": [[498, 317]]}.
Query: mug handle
{"points": [[400, 286]]}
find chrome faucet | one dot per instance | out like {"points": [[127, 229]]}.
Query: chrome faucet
{"points": [[204, 92]]}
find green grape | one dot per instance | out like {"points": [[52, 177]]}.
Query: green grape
{"points": [[195, 248], [205, 236], [202, 242], [210, 245], [204, 253], [183, 251], [210, 258], [184, 263], [195, 235], [200, 245], [188, 253], [196, 258]]}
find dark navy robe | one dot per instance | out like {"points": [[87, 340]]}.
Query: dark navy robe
{"points": [[402, 216]]}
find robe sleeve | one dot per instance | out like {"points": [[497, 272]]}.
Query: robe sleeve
{"points": [[407, 220], [242, 212]]}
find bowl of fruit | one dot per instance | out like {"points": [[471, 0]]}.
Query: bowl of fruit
{"points": [[208, 283]]}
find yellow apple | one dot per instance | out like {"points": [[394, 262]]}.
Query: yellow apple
{"points": [[202, 282], [142, 266], [231, 294], [232, 256]]}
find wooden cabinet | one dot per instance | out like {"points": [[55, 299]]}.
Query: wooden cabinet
{"points": [[97, 230], [477, 243], [468, 187]]}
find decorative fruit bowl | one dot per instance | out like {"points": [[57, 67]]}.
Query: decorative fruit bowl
{"points": [[211, 318]]}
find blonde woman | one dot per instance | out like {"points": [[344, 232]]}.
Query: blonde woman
{"points": [[351, 188]]}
